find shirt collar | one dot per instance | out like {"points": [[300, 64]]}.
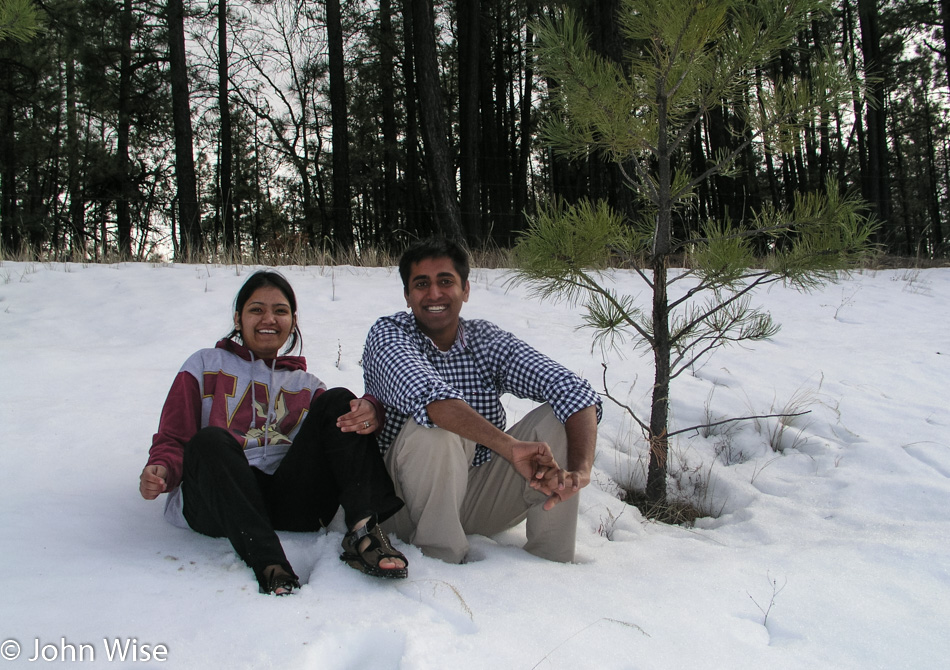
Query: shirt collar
{"points": [[457, 347]]}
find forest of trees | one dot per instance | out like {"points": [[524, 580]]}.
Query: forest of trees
{"points": [[147, 129]]}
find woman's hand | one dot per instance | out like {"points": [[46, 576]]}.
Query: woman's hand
{"points": [[360, 419], [152, 481]]}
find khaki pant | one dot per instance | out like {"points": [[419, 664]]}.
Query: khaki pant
{"points": [[446, 498]]}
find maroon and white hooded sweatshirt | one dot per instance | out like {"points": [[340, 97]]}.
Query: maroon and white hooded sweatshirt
{"points": [[262, 402]]}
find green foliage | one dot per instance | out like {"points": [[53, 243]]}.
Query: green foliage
{"points": [[724, 254], [565, 242], [562, 255], [685, 58], [823, 234], [721, 319], [612, 317], [808, 245], [19, 20]]}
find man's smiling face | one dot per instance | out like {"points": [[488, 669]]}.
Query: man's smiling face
{"points": [[435, 294]]}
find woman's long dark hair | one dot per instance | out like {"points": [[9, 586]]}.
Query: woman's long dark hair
{"points": [[258, 280]]}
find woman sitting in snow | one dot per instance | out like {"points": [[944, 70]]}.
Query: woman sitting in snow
{"points": [[250, 442]]}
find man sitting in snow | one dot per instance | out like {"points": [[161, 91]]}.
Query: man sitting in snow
{"points": [[440, 378]]}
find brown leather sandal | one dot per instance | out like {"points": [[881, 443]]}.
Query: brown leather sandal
{"points": [[377, 549]]}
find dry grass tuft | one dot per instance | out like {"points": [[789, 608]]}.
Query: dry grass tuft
{"points": [[675, 512]]}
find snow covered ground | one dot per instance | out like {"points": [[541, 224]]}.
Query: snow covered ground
{"points": [[831, 552]]}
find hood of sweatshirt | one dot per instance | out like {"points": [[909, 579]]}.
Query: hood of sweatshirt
{"points": [[280, 363]]}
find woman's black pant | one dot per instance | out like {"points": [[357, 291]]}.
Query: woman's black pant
{"points": [[324, 469]]}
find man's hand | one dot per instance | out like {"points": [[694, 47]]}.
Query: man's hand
{"points": [[581, 428], [360, 419], [568, 484], [152, 481], [532, 460], [535, 462]]}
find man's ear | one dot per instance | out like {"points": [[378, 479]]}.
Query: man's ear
{"points": [[466, 291]]}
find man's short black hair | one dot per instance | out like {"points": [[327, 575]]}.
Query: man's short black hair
{"points": [[434, 247]]}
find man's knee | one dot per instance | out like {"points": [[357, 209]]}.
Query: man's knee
{"points": [[542, 425], [428, 450], [556, 438]]}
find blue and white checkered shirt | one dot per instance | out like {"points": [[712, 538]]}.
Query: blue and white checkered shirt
{"points": [[404, 369]]}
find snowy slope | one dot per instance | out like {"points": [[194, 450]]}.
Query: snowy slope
{"points": [[830, 553]]}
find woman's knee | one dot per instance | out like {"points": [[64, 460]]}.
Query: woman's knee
{"points": [[335, 398]]}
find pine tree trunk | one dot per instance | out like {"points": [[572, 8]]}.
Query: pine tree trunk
{"points": [[526, 122], [123, 187], [388, 216], [10, 237], [502, 219], [77, 210], [933, 199], [660, 401], [341, 221], [488, 142], [412, 197], [185, 178], [875, 180], [469, 39], [225, 146], [434, 127], [662, 248], [945, 20]]}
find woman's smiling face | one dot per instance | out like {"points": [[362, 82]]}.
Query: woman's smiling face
{"points": [[265, 322]]}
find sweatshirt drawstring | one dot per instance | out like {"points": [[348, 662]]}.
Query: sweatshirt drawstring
{"points": [[271, 413]]}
